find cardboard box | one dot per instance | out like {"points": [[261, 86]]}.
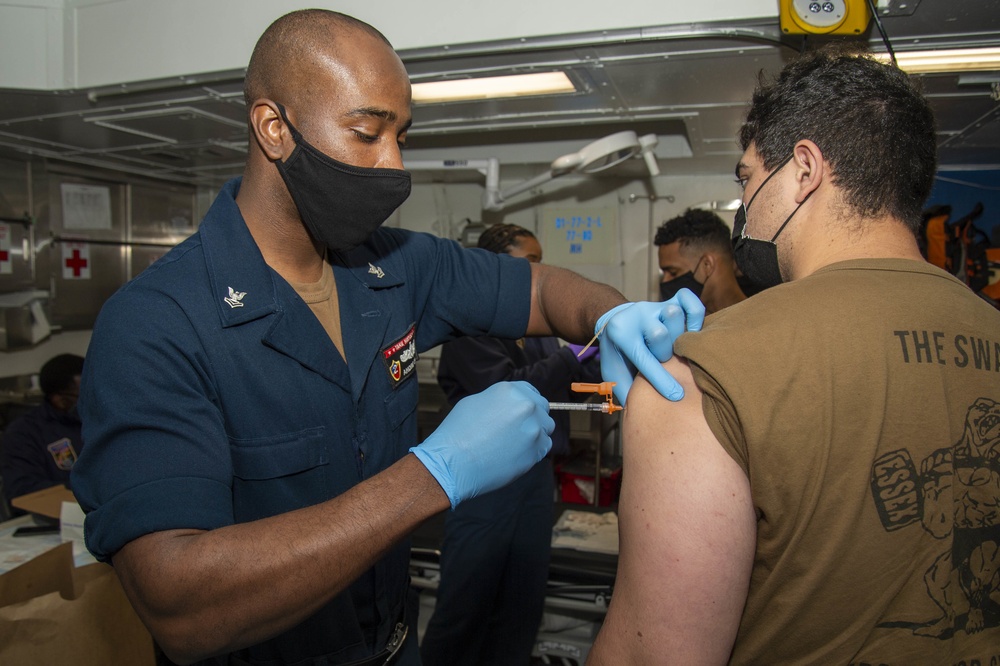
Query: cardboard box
{"points": [[52, 612], [47, 502]]}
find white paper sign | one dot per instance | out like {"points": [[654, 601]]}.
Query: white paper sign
{"points": [[86, 206], [71, 522], [75, 261], [71, 529]]}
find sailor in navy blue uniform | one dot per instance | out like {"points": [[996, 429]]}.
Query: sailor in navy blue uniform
{"points": [[496, 548], [249, 401], [38, 449]]}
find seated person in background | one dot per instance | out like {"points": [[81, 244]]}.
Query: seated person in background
{"points": [[827, 490], [495, 558], [695, 252], [39, 448]]}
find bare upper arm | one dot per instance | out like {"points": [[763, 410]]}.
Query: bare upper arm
{"points": [[687, 531], [567, 304]]}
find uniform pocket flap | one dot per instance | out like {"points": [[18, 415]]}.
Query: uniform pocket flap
{"points": [[281, 455]]}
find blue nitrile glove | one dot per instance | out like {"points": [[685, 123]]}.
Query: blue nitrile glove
{"points": [[488, 440], [640, 336], [593, 351]]}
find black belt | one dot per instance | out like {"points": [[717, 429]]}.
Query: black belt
{"points": [[383, 658], [388, 653]]}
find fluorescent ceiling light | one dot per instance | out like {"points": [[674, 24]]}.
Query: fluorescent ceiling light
{"points": [[946, 60], [543, 83]]}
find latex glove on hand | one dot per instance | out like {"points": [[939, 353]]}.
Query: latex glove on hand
{"points": [[640, 336], [593, 352], [488, 440]]}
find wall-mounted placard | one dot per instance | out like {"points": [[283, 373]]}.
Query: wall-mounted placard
{"points": [[86, 207], [75, 261], [579, 235]]}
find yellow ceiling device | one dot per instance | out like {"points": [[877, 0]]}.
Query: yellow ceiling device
{"points": [[824, 17]]}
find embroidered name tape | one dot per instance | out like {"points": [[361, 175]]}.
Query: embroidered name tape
{"points": [[400, 358]]}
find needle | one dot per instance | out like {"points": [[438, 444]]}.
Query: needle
{"points": [[580, 407]]}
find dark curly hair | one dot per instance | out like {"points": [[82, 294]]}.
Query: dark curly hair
{"points": [[697, 228], [874, 127], [501, 238]]}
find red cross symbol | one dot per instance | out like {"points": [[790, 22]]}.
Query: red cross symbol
{"points": [[76, 262]]}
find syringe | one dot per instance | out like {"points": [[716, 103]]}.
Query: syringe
{"points": [[602, 407], [604, 389]]}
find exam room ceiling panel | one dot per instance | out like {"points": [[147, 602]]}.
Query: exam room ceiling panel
{"points": [[687, 83], [963, 116], [678, 82], [979, 141], [649, 85]]}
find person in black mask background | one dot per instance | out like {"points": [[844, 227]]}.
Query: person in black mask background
{"points": [[695, 252], [249, 402], [40, 447], [495, 555]]}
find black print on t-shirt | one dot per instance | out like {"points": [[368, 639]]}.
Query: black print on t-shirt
{"points": [[955, 492], [962, 351]]}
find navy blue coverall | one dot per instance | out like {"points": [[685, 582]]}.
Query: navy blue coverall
{"points": [[212, 395], [495, 555]]}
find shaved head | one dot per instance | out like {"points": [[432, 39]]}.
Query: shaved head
{"points": [[290, 53]]}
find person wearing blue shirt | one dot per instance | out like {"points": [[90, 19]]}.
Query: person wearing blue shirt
{"points": [[39, 448], [495, 554], [249, 401]]}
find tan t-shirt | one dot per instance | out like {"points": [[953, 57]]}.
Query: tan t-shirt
{"points": [[863, 402], [321, 297]]}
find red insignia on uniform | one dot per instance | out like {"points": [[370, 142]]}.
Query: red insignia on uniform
{"points": [[400, 357]]}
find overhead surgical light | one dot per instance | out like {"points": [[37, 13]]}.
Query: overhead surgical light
{"points": [[592, 158], [516, 85], [595, 156]]}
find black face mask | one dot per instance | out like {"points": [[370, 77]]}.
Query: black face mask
{"points": [[747, 287], [340, 204], [669, 289], [758, 259]]}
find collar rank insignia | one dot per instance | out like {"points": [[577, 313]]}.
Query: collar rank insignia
{"points": [[235, 298], [375, 270]]}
